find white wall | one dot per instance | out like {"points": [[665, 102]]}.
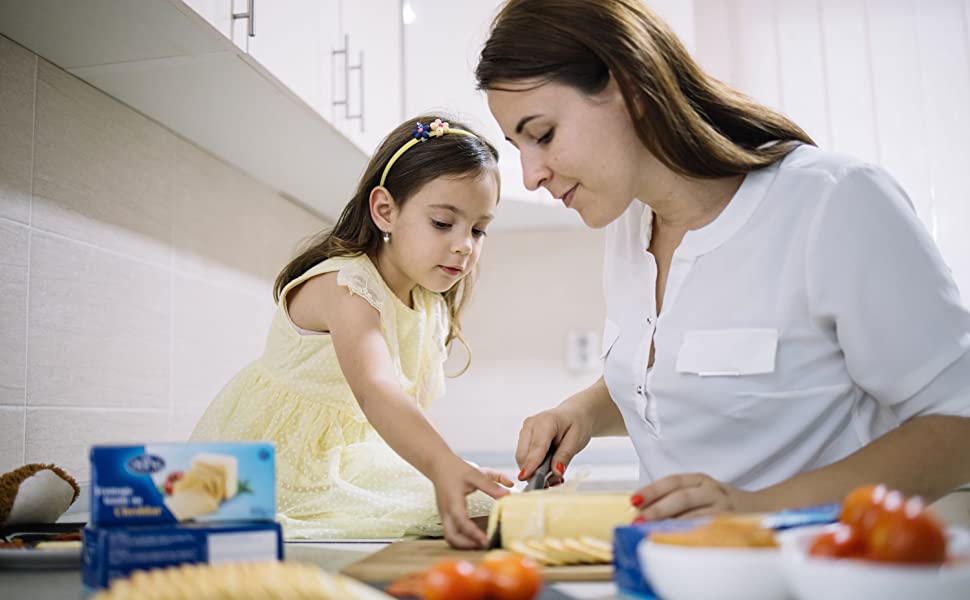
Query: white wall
{"points": [[885, 80]]}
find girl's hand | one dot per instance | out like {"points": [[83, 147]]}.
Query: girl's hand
{"points": [[454, 479], [497, 476], [690, 495], [555, 427]]}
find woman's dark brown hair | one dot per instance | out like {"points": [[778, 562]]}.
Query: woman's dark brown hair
{"points": [[454, 156], [693, 123]]}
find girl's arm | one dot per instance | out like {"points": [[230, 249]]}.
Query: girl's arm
{"points": [[362, 353]]}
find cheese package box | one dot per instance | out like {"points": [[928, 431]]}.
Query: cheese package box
{"points": [[174, 483], [114, 552]]}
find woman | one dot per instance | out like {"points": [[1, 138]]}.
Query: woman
{"points": [[780, 327]]}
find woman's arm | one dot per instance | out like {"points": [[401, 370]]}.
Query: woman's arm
{"points": [[363, 356], [926, 456], [569, 426]]}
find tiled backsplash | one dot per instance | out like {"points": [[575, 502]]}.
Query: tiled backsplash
{"points": [[135, 269]]}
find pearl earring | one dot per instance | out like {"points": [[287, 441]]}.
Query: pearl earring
{"points": [[387, 236]]}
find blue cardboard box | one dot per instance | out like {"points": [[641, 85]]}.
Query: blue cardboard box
{"points": [[158, 484], [115, 552], [629, 577]]}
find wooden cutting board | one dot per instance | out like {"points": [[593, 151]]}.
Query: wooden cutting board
{"points": [[411, 556]]}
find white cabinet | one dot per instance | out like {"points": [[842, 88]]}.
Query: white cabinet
{"points": [[373, 82], [287, 41], [342, 57], [217, 12]]}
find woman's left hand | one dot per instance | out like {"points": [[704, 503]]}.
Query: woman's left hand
{"points": [[689, 495]]}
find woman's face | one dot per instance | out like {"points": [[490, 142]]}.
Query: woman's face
{"points": [[583, 149]]}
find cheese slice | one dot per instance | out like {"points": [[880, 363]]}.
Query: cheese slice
{"points": [[59, 545], [185, 505], [585, 553], [560, 515], [226, 466]]}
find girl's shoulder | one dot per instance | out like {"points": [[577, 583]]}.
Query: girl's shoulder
{"points": [[355, 272], [358, 274], [356, 264]]}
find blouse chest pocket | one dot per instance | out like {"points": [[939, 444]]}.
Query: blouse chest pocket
{"points": [[727, 352]]}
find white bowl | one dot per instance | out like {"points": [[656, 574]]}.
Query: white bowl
{"points": [[817, 578], [701, 573]]}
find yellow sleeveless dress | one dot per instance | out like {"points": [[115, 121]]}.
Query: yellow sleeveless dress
{"points": [[336, 477]]}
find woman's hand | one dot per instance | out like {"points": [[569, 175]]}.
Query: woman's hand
{"points": [[454, 479], [559, 427], [690, 495], [568, 428]]}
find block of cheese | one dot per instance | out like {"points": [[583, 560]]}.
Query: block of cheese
{"points": [[559, 515], [225, 465]]}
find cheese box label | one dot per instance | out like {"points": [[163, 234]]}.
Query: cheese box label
{"points": [[174, 483]]}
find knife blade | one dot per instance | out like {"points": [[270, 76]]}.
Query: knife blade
{"points": [[540, 478]]}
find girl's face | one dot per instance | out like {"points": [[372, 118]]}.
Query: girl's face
{"points": [[438, 234], [583, 149]]}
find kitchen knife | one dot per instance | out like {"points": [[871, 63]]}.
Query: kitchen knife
{"points": [[540, 479]]}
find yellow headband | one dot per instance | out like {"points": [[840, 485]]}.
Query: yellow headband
{"points": [[422, 132]]}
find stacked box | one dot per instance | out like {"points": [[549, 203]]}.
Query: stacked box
{"points": [[161, 505], [113, 552]]}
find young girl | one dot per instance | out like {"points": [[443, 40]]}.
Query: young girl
{"points": [[356, 350]]}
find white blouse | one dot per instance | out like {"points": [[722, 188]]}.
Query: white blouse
{"points": [[813, 315]]}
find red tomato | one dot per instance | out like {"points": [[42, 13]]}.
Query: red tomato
{"points": [[454, 580], [844, 542], [907, 534], [858, 505], [862, 506], [512, 577]]}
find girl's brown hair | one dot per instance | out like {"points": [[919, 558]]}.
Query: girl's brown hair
{"points": [[454, 156], [695, 124]]}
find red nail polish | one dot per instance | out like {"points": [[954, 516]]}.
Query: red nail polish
{"points": [[561, 468], [521, 473], [639, 519], [636, 499]]}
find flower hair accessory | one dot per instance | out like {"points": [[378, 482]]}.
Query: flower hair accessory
{"points": [[438, 128], [421, 133]]}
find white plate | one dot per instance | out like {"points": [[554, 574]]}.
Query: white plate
{"points": [[31, 558], [815, 578], [703, 573]]}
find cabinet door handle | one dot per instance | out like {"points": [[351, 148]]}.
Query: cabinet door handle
{"points": [[249, 15], [333, 77], [359, 67]]}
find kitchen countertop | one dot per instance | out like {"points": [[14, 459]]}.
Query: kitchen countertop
{"points": [[330, 556]]}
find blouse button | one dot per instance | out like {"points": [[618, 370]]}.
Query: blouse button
{"points": [[640, 390], [649, 320]]}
